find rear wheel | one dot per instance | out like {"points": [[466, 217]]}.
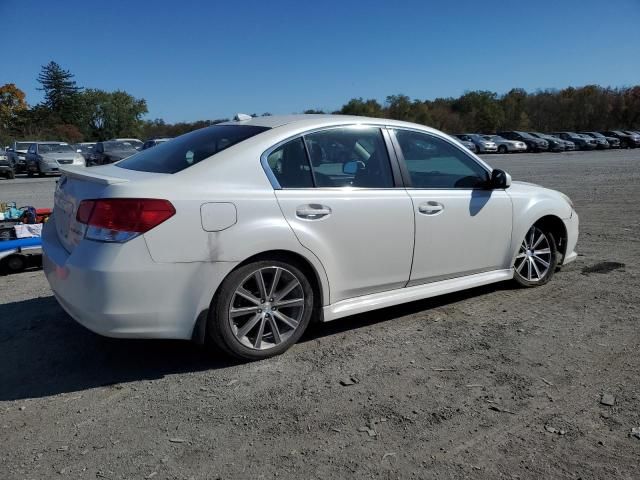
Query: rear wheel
{"points": [[14, 263], [536, 260], [261, 310]]}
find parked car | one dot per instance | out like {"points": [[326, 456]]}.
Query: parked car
{"points": [[626, 140], [153, 142], [613, 142], [85, 149], [482, 144], [17, 155], [111, 151], [468, 144], [582, 143], [555, 144], [533, 144], [634, 135], [47, 157], [506, 146], [137, 144], [601, 142], [226, 233], [6, 167]]}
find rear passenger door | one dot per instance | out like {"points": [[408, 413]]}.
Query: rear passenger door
{"points": [[462, 227], [343, 198]]}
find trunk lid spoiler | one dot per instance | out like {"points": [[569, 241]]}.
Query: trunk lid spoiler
{"points": [[87, 174]]}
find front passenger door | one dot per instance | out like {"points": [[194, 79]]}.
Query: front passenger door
{"points": [[462, 227]]}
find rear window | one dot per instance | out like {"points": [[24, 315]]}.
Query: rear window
{"points": [[189, 149]]}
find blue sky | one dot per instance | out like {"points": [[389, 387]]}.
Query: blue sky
{"points": [[210, 59]]}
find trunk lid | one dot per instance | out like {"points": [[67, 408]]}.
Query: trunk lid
{"points": [[77, 184]]}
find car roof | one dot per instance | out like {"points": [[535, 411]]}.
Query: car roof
{"points": [[318, 120]]}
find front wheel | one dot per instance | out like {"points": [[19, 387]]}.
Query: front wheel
{"points": [[261, 310], [536, 260], [502, 149]]}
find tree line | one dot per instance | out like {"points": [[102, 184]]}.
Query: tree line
{"points": [[72, 113]]}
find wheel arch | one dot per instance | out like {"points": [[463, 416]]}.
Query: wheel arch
{"points": [[319, 284], [556, 227]]}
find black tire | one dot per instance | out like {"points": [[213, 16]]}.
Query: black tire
{"points": [[14, 263], [11, 175], [502, 149], [40, 172], [29, 172], [552, 259], [219, 325]]}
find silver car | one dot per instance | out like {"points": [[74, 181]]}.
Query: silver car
{"points": [[17, 155], [484, 145], [47, 157], [506, 146]]}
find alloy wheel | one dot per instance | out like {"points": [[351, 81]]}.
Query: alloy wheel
{"points": [[534, 258], [267, 308]]}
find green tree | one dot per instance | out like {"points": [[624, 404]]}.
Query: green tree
{"points": [[60, 91], [399, 107], [358, 106], [107, 115]]}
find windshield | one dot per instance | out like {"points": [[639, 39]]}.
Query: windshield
{"points": [[112, 146], [525, 135], [22, 146], [54, 148], [596, 134], [85, 148], [189, 149]]}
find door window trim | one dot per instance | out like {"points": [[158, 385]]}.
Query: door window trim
{"points": [[391, 153], [406, 177]]}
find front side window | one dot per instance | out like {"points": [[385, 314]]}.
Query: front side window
{"points": [[189, 149], [435, 163]]}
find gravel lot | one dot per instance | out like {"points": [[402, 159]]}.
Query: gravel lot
{"points": [[493, 382]]}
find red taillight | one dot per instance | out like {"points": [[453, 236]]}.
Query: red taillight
{"points": [[133, 215]]}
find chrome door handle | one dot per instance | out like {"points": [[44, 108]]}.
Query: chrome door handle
{"points": [[313, 211], [430, 208]]}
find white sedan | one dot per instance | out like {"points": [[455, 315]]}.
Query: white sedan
{"points": [[242, 233]]}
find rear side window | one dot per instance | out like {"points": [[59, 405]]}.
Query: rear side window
{"points": [[290, 166], [189, 149], [338, 157]]}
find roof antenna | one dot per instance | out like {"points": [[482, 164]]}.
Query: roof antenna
{"points": [[241, 117]]}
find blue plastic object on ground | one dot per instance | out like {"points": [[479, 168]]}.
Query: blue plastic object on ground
{"points": [[20, 243]]}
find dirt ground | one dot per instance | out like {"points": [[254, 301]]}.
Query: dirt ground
{"points": [[496, 382]]}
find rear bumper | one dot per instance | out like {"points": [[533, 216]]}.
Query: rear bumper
{"points": [[117, 290], [572, 225]]}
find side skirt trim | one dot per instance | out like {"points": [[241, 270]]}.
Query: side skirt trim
{"points": [[374, 301]]}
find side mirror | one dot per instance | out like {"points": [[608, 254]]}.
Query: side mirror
{"points": [[351, 168], [500, 179]]}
